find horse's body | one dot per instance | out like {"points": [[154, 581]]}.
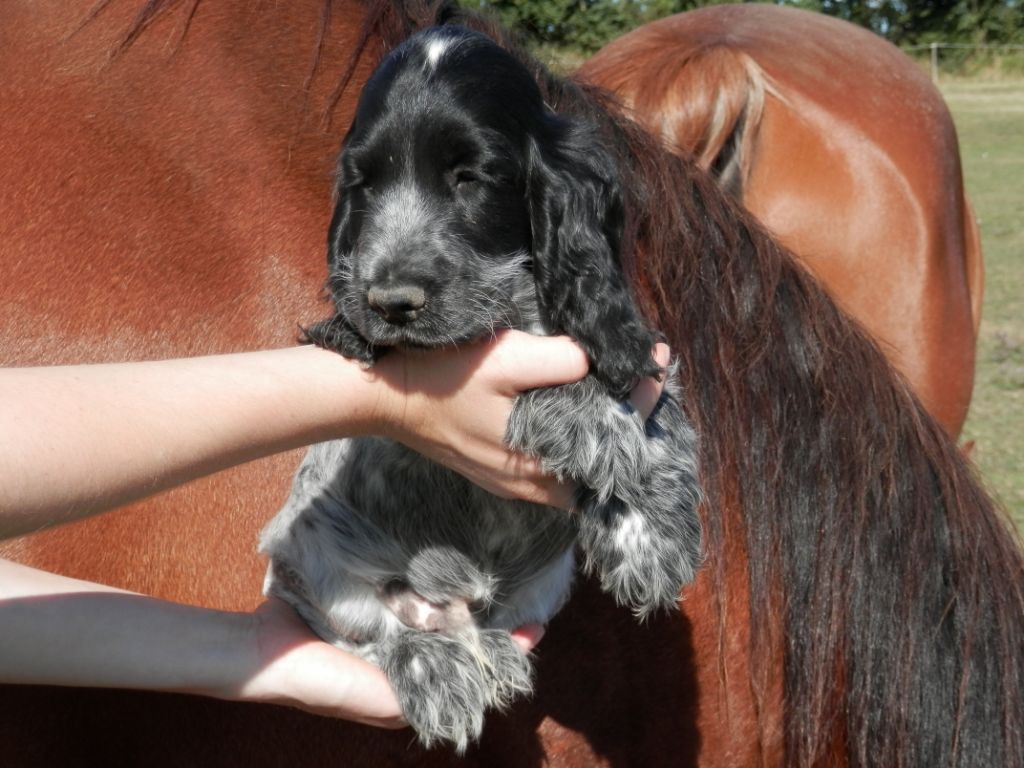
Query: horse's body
{"points": [[175, 202], [844, 149]]}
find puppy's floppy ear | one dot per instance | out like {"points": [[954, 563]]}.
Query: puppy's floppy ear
{"points": [[576, 213], [338, 333]]}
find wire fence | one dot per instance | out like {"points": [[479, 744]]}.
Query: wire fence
{"points": [[959, 57]]}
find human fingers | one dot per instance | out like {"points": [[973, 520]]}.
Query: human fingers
{"points": [[528, 362], [296, 668], [527, 636], [520, 477], [647, 391]]}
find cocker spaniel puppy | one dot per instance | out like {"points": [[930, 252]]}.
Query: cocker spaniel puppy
{"points": [[465, 205]]}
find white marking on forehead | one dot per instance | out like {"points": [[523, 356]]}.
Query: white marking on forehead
{"points": [[435, 50]]}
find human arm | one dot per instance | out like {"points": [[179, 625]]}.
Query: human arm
{"points": [[61, 631], [172, 421], [79, 440]]}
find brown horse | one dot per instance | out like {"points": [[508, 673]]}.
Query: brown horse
{"points": [[842, 147], [863, 601]]}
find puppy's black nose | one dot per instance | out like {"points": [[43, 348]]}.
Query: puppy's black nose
{"points": [[397, 303]]}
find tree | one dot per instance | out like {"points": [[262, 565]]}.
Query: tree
{"points": [[910, 22], [586, 25]]}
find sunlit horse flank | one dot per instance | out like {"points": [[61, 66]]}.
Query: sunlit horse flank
{"points": [[174, 200], [843, 148]]}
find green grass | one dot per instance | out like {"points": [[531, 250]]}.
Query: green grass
{"points": [[990, 120]]}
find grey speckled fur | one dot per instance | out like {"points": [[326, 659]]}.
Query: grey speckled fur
{"points": [[409, 565], [368, 518], [639, 491]]}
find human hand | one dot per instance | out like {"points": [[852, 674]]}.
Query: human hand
{"points": [[453, 405], [296, 668]]}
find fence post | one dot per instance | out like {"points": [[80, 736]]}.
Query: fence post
{"points": [[935, 62]]}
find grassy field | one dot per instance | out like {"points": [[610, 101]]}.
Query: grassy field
{"points": [[990, 120]]}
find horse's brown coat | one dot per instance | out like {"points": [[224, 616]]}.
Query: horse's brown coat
{"points": [[849, 156]]}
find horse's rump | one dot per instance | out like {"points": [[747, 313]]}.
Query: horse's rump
{"points": [[844, 149]]}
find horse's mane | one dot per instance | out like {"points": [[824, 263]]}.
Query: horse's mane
{"points": [[899, 584]]}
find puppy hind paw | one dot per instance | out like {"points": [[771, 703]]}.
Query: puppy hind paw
{"points": [[508, 673], [440, 687]]}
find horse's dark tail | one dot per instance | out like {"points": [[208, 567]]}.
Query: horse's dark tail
{"points": [[900, 583]]}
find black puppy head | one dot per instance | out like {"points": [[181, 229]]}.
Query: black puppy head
{"points": [[464, 205]]}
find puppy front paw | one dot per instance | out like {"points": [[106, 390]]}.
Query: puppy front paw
{"points": [[643, 558], [579, 433], [644, 542], [338, 335], [638, 522]]}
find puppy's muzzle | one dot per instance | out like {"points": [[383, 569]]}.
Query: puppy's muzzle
{"points": [[397, 304]]}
